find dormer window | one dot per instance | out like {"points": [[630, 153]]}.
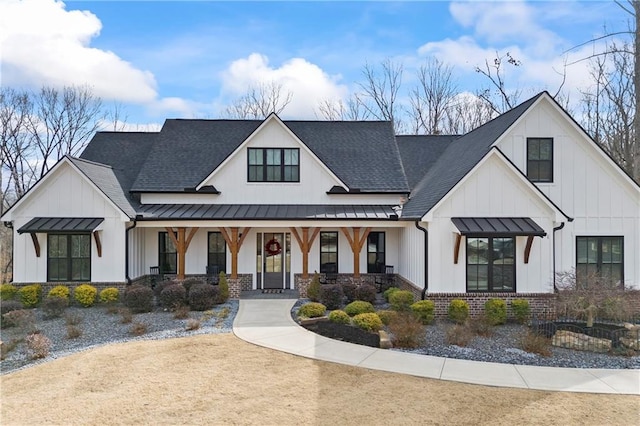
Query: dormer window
{"points": [[540, 159], [274, 165]]}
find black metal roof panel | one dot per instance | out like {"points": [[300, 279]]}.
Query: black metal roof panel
{"points": [[265, 212], [512, 226], [61, 224]]}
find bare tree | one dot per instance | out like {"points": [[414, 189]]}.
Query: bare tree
{"points": [[380, 91], [260, 101], [497, 96], [350, 110], [467, 112]]}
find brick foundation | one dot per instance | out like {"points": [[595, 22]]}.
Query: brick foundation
{"points": [[302, 284]]}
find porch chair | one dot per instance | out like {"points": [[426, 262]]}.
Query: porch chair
{"points": [[155, 275], [213, 274]]}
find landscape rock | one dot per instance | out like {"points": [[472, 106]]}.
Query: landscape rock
{"points": [[582, 342], [385, 341]]}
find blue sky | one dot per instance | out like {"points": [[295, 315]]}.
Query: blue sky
{"points": [[191, 59]]}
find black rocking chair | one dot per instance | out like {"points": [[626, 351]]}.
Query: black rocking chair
{"points": [[213, 274], [155, 275], [387, 280]]}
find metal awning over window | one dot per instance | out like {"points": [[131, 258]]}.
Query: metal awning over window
{"points": [[61, 224], [498, 226]]}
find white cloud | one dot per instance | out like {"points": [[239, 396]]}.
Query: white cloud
{"points": [[307, 82], [45, 44]]}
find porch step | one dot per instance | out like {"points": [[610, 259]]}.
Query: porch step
{"points": [[270, 294]]}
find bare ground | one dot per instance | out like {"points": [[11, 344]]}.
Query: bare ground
{"points": [[219, 379]]}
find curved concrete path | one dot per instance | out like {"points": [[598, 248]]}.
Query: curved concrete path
{"points": [[268, 323]]}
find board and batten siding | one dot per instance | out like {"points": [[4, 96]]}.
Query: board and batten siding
{"points": [[66, 193], [411, 255], [586, 186]]}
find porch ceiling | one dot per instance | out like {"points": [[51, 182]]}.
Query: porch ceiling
{"points": [[266, 212]]}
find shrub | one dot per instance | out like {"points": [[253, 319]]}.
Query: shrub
{"points": [[312, 310], [204, 296], [358, 307], [424, 310], [339, 317], [331, 296], [23, 319], [73, 332], [158, 287], [496, 311], [61, 291], [138, 328], [481, 326], [401, 300], [386, 316], [30, 295], [458, 311], [223, 288], [85, 294], [536, 343], [192, 324], [520, 308], [139, 298], [173, 295], [387, 293], [313, 292], [459, 335], [407, 331], [7, 347], [349, 291], [72, 318], [38, 345], [53, 307], [190, 282], [368, 322], [109, 295], [181, 312], [7, 291], [366, 292], [6, 307], [127, 315]]}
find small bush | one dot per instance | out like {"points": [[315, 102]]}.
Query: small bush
{"points": [[204, 296], [7, 347], [8, 291], [407, 331], [54, 307], [331, 296], [73, 332], [386, 316], [520, 308], [139, 298], [458, 311], [138, 328], [72, 318], [6, 307], [190, 282], [223, 288], [61, 291], [367, 293], [368, 322], [181, 312], [401, 300], [387, 293], [38, 345], [23, 319], [481, 326], [339, 317], [158, 287], [313, 291], [495, 311], [85, 294], [109, 295], [459, 335], [312, 310], [30, 295], [127, 315], [536, 343], [424, 310], [173, 296], [349, 291], [192, 324], [358, 307]]}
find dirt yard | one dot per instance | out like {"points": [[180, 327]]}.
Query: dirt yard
{"points": [[219, 379]]}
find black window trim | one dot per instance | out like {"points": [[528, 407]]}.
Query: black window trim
{"points": [[551, 160], [490, 270], [165, 235], [225, 250], [337, 235], [384, 252], [599, 260], [69, 271], [264, 165]]}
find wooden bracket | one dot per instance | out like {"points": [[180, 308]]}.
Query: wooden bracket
{"points": [[36, 244], [356, 243], [305, 242], [96, 237], [456, 249], [234, 241], [527, 249]]}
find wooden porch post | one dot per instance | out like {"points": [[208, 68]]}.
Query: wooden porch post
{"points": [[234, 242], [356, 244], [181, 241], [305, 244]]}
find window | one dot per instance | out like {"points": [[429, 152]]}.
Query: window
{"points": [[600, 255], [375, 253], [217, 251], [329, 252], [68, 257], [167, 254], [274, 165], [540, 159], [491, 264]]}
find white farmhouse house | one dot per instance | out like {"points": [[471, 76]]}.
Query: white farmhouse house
{"points": [[496, 211]]}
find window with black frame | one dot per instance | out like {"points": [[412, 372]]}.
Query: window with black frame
{"points": [[376, 253], [540, 159], [328, 252], [273, 165], [68, 257], [491, 264], [603, 256], [167, 254], [216, 251]]}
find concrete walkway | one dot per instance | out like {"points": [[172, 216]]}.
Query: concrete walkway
{"points": [[268, 323]]}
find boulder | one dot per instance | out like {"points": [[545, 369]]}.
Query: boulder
{"points": [[582, 342], [385, 341]]}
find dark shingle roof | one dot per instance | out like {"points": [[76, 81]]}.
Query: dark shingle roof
{"points": [[420, 152], [458, 160]]}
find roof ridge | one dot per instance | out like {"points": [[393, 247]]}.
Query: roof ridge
{"points": [[95, 163]]}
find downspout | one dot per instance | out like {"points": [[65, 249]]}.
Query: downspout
{"points": [[557, 228], [426, 258], [126, 249]]}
